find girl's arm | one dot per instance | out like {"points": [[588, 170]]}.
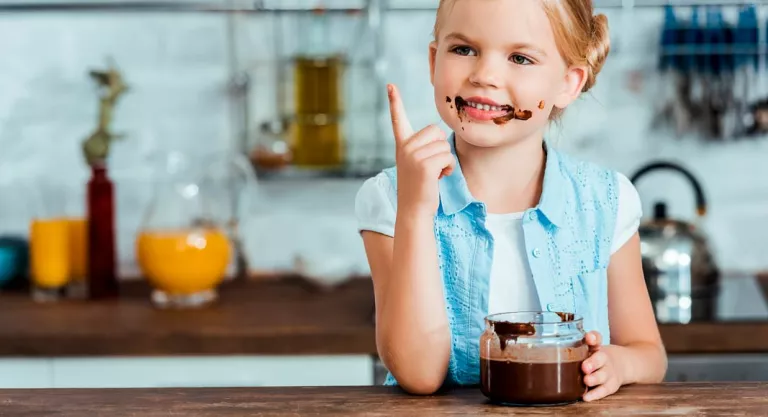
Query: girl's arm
{"points": [[636, 353], [639, 349], [412, 333]]}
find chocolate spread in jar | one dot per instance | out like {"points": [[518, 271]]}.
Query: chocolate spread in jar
{"points": [[528, 383], [511, 331], [555, 379]]}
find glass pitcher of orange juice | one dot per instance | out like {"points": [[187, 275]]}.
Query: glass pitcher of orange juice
{"points": [[182, 247]]}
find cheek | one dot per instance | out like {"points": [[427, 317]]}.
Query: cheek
{"points": [[448, 80], [529, 91], [536, 93], [447, 74], [447, 110]]}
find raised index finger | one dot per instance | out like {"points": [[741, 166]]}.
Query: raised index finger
{"points": [[401, 126]]}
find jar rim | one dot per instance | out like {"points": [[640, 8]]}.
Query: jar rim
{"points": [[519, 315]]}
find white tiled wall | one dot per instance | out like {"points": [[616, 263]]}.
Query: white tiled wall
{"points": [[178, 68]]}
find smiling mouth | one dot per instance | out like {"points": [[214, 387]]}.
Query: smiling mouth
{"points": [[510, 113]]}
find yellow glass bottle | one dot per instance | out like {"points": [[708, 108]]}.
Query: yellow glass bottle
{"points": [[318, 140]]}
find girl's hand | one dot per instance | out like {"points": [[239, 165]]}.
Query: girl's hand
{"points": [[602, 374], [422, 159]]}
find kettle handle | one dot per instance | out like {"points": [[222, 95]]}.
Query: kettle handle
{"points": [[701, 204]]}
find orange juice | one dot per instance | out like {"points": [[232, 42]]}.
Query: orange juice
{"points": [[183, 261], [49, 252], [78, 244]]}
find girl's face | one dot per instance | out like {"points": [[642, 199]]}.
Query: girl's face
{"points": [[496, 55]]}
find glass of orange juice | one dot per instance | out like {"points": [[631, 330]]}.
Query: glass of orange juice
{"points": [[58, 238], [181, 248], [78, 257], [49, 258], [50, 262]]}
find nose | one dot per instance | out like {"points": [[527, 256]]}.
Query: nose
{"points": [[486, 73]]}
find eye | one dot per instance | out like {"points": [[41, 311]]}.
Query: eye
{"points": [[462, 50], [520, 60]]}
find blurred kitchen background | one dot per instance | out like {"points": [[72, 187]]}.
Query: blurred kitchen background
{"points": [[255, 122]]}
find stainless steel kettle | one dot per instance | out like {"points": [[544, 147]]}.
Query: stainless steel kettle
{"points": [[682, 277]]}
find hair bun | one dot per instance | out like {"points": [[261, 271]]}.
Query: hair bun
{"points": [[599, 46]]}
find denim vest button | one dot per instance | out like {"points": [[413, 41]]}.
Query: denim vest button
{"points": [[536, 252], [551, 307], [532, 215]]}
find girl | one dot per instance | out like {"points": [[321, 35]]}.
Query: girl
{"points": [[492, 218]]}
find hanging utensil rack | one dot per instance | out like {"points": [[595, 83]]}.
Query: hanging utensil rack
{"points": [[372, 13], [256, 6]]}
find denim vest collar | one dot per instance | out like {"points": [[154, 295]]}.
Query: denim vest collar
{"points": [[455, 195]]}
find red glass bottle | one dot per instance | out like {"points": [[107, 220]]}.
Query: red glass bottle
{"points": [[102, 275]]}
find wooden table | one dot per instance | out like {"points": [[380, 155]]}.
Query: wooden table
{"points": [[732, 399], [252, 318]]}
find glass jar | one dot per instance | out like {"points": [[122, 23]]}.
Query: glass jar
{"points": [[533, 358], [318, 142], [182, 248]]}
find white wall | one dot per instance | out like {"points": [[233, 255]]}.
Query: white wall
{"points": [[177, 67]]}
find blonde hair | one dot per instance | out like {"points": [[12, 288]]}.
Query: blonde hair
{"points": [[581, 37]]}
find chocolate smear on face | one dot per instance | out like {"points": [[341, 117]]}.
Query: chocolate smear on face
{"points": [[460, 105], [511, 112], [504, 119], [541, 105], [513, 115], [447, 99], [523, 114], [511, 331]]}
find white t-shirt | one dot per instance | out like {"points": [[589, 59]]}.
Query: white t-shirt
{"points": [[511, 283]]}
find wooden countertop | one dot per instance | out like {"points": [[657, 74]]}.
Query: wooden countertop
{"points": [[733, 399], [257, 317], [268, 317]]}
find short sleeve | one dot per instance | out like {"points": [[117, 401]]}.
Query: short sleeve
{"points": [[629, 213], [374, 207]]}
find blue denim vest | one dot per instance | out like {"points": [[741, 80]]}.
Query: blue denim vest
{"points": [[568, 241]]}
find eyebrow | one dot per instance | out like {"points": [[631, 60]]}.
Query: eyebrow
{"points": [[458, 36], [518, 46]]}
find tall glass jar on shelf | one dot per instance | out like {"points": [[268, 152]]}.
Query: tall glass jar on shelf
{"points": [[318, 77]]}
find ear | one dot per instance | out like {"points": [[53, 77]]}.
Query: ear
{"points": [[432, 57], [573, 82]]}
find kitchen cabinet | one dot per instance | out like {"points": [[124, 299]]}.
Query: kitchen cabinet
{"points": [[25, 373], [718, 367]]}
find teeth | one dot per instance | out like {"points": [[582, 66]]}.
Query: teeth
{"points": [[485, 107]]}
